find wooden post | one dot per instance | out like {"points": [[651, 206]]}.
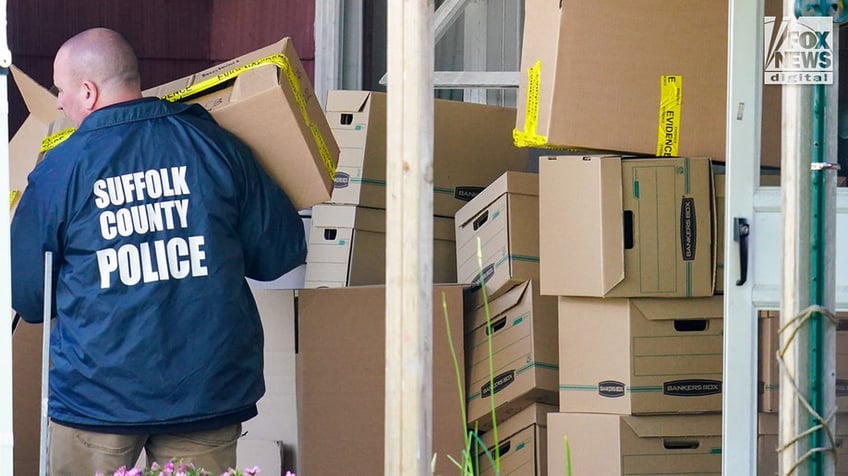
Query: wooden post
{"points": [[409, 238]]}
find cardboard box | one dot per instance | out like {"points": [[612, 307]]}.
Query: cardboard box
{"points": [[523, 443], [768, 441], [592, 77], [524, 355], [347, 247], [640, 356], [769, 367], [612, 227], [505, 219], [341, 365], [25, 146], [277, 418], [26, 396], [619, 444], [268, 101], [268, 455], [472, 146]]}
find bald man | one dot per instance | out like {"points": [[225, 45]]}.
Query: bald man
{"points": [[154, 215]]}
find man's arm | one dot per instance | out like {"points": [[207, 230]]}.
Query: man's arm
{"points": [[33, 232], [271, 230]]}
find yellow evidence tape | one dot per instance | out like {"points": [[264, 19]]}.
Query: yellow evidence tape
{"points": [[14, 195], [668, 130], [529, 137], [280, 60]]}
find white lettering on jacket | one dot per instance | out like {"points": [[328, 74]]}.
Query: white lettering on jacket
{"points": [[178, 257]]}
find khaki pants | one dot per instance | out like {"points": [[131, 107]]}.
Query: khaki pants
{"points": [[75, 452]]}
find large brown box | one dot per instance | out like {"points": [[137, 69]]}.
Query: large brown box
{"points": [[620, 444], [626, 227], [630, 76], [26, 396], [472, 146], [340, 364], [640, 356], [25, 146], [268, 101]]}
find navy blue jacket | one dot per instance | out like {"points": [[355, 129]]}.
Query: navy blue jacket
{"points": [[155, 215]]}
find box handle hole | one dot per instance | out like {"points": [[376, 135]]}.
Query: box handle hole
{"points": [[497, 325], [346, 119], [479, 221], [691, 325], [628, 229], [330, 234], [671, 444], [504, 448]]}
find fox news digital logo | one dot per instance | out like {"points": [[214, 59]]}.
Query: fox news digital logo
{"points": [[798, 50]]}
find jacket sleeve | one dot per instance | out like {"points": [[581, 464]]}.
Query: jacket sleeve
{"points": [[271, 230], [35, 229]]}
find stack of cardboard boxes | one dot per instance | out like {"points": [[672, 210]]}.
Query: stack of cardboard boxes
{"points": [[627, 240], [471, 147], [640, 332], [510, 329]]}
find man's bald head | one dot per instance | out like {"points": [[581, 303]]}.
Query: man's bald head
{"points": [[94, 69]]}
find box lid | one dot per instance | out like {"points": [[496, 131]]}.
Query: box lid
{"points": [[660, 426], [349, 216], [535, 414], [497, 306], [39, 101], [370, 219], [347, 101], [523, 183], [585, 211], [655, 309]]}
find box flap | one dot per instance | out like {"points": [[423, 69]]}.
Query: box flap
{"points": [[661, 426], [684, 308], [347, 101], [39, 101], [257, 79], [581, 205], [535, 414], [510, 182], [499, 305], [349, 216]]}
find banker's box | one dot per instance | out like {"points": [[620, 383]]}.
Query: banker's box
{"points": [[622, 444], [626, 227], [640, 356], [268, 101], [524, 355], [592, 77], [769, 367], [341, 381], [522, 442], [504, 218], [347, 247], [472, 146]]}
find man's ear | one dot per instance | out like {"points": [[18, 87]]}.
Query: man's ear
{"points": [[89, 93]]}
